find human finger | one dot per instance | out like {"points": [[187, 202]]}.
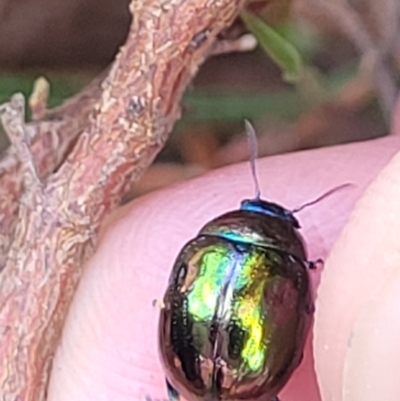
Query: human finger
{"points": [[109, 348]]}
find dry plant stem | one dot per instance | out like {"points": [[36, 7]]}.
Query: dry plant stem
{"points": [[59, 217], [245, 43], [38, 98], [351, 24], [51, 137], [391, 27], [349, 21], [389, 22]]}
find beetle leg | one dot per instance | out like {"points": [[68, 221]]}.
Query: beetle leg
{"points": [[173, 394], [158, 304], [313, 264]]}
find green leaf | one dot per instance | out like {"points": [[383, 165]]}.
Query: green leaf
{"points": [[201, 106], [284, 54]]}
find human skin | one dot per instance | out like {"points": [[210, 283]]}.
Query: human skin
{"points": [[108, 349]]}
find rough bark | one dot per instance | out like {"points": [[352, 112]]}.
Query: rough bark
{"points": [[51, 137], [54, 229]]}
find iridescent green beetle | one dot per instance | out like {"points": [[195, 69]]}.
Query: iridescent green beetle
{"points": [[238, 305]]}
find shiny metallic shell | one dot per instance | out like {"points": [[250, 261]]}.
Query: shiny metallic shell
{"points": [[237, 309]]}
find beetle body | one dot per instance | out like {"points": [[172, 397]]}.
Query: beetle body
{"points": [[238, 307]]}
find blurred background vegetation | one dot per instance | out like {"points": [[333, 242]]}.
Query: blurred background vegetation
{"points": [[326, 72]]}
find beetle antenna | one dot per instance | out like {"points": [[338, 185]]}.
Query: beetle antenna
{"points": [[253, 153], [323, 196]]}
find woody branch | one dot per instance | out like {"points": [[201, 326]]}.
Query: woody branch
{"points": [[59, 213]]}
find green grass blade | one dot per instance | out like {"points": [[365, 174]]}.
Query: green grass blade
{"points": [[282, 52]]}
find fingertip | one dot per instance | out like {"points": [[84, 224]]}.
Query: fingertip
{"points": [[110, 337], [372, 358], [365, 256]]}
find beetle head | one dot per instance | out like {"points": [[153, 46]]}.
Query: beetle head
{"points": [[269, 209]]}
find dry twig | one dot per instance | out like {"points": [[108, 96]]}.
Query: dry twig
{"points": [[52, 136], [59, 215], [374, 52]]}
